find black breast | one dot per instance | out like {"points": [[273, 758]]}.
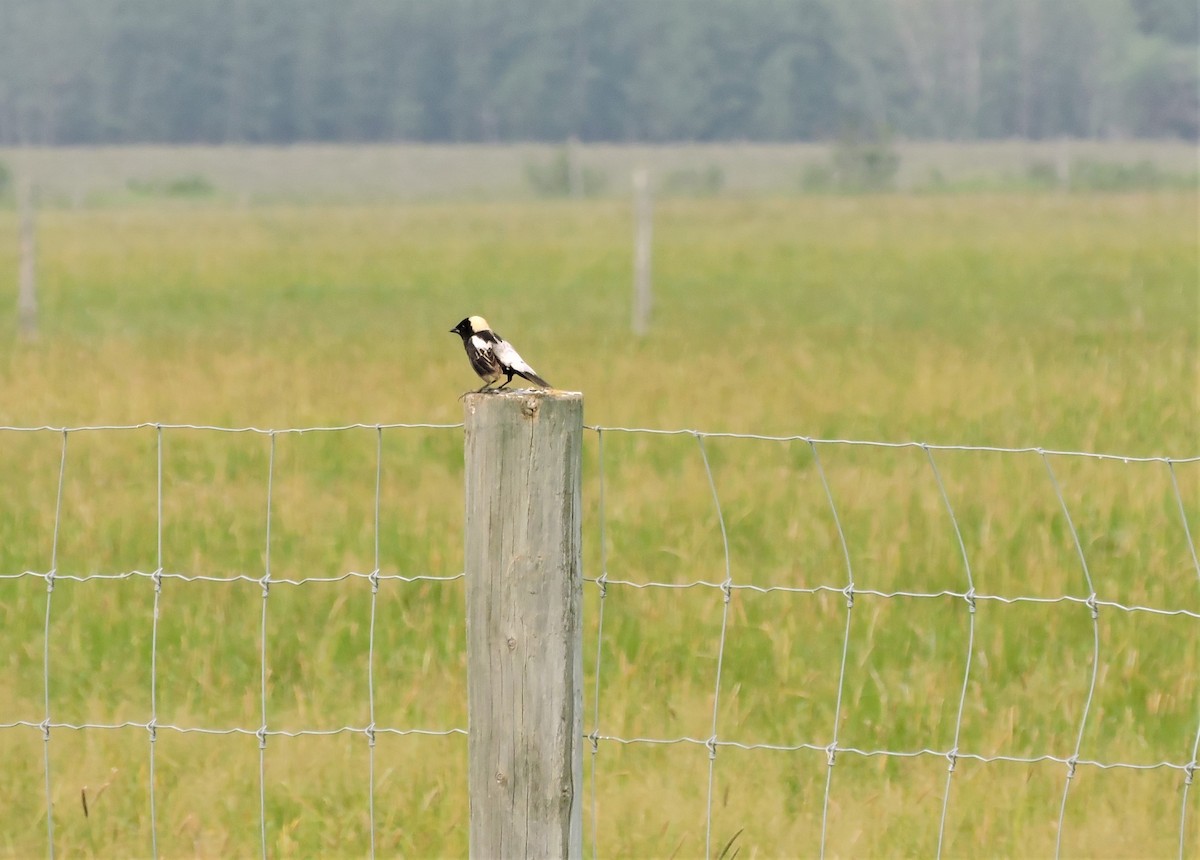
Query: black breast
{"points": [[483, 362]]}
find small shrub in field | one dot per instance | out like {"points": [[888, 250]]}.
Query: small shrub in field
{"points": [[553, 178], [865, 163], [190, 186], [1042, 175], [858, 163], [1087, 175]]}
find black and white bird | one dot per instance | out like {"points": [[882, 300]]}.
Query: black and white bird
{"points": [[491, 356]]}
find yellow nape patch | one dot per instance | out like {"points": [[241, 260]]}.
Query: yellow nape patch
{"points": [[478, 324]]}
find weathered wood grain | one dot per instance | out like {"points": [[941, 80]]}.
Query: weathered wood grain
{"points": [[524, 642]]}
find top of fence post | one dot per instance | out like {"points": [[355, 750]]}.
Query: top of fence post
{"points": [[524, 634]]}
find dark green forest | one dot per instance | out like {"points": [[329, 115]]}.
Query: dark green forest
{"points": [[279, 71]]}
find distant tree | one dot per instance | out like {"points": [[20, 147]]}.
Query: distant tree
{"points": [[1160, 91], [1174, 20], [95, 71]]}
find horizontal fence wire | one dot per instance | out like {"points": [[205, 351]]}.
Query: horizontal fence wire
{"points": [[158, 576], [969, 598], [155, 727], [263, 732], [830, 746]]}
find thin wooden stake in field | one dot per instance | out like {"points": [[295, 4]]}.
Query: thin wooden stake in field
{"points": [[27, 309], [524, 636], [643, 228]]}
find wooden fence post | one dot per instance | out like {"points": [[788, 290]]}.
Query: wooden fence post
{"points": [[524, 626], [643, 230], [27, 308]]}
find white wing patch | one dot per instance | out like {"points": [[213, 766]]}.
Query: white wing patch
{"points": [[509, 358], [481, 344]]}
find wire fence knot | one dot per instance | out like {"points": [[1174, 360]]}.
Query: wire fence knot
{"points": [[50, 575], [265, 582], [374, 580], [831, 754], [594, 739], [152, 728], [952, 758], [369, 731], [603, 583], [1189, 772], [848, 591], [1071, 764], [1091, 604], [711, 746], [261, 734], [727, 589], [44, 725], [970, 598]]}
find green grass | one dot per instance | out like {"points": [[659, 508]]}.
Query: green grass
{"points": [[1062, 321]]}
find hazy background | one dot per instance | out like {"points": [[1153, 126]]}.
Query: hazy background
{"points": [[259, 71], [954, 221]]}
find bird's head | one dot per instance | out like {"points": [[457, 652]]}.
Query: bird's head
{"points": [[470, 326]]}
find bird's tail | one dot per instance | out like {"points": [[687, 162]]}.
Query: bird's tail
{"points": [[534, 378]]}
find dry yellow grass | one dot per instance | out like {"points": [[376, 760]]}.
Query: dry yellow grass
{"points": [[1064, 322]]}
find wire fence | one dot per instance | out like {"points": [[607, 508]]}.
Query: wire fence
{"points": [[970, 600], [825, 740]]}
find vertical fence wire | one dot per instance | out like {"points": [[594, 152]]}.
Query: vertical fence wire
{"points": [[602, 591], [831, 750], [50, 577], [726, 592], [371, 644], [1189, 775], [1190, 771], [1073, 761], [1092, 601], [1187, 532], [53, 576], [152, 726], [952, 756], [262, 731]]}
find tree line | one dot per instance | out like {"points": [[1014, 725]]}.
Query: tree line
{"points": [[280, 71]]}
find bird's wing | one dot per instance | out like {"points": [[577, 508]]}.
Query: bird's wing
{"points": [[482, 357], [480, 344], [510, 358]]}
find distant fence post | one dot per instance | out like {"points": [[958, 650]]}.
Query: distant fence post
{"points": [[643, 230], [524, 635], [27, 309]]}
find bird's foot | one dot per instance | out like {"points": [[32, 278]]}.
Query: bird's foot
{"points": [[487, 387]]}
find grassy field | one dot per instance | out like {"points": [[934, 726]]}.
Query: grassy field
{"points": [[1061, 321]]}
